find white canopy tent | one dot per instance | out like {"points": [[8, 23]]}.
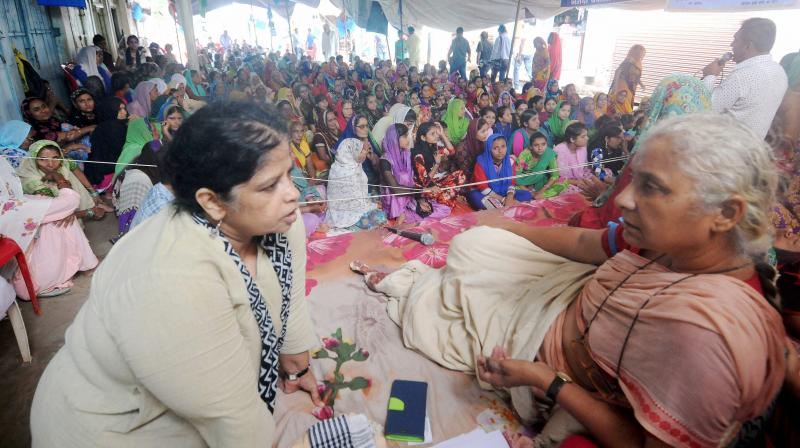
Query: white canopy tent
{"points": [[450, 14], [474, 15]]}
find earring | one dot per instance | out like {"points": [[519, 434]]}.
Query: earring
{"points": [[215, 231]]}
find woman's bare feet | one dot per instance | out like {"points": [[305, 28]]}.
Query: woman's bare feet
{"points": [[360, 267], [371, 276]]}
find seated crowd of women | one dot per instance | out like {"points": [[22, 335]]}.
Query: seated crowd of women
{"points": [[65, 164], [596, 314], [396, 145], [661, 329]]}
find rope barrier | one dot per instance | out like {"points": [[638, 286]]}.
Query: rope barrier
{"points": [[411, 191], [455, 187], [80, 161]]}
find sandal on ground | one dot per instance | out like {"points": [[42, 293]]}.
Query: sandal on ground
{"points": [[53, 293]]}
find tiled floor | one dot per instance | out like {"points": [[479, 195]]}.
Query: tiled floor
{"points": [[46, 334]]}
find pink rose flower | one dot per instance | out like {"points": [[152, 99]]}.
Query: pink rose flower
{"points": [[323, 413], [331, 343]]}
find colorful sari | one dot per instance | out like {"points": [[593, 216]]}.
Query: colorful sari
{"points": [[534, 177], [598, 110], [626, 78], [721, 365], [423, 158], [541, 68], [554, 50]]}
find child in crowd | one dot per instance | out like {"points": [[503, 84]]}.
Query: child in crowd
{"points": [[505, 122], [549, 107], [555, 126], [571, 154], [538, 162], [495, 173]]}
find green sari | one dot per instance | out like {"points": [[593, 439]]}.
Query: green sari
{"points": [[537, 179], [196, 89], [140, 132], [556, 125]]}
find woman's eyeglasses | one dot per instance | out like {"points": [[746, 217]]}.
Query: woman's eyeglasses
{"points": [[361, 126]]}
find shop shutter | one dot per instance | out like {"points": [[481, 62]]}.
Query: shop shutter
{"points": [[677, 42], [29, 28]]}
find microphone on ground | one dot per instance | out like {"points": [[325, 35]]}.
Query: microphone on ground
{"points": [[423, 238]]}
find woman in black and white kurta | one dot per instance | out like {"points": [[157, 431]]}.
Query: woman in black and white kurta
{"points": [[197, 315]]}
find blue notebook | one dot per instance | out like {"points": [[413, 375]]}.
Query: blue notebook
{"points": [[405, 421]]}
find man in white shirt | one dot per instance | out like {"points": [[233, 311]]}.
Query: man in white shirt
{"points": [[225, 40], [524, 57], [754, 89], [413, 43], [501, 52], [329, 42]]}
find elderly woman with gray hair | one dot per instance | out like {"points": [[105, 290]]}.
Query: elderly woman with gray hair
{"points": [[662, 331]]}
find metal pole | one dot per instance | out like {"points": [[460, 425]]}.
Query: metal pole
{"points": [[402, 42], [388, 47], [185, 12], [513, 36], [289, 21], [429, 48], [178, 39]]}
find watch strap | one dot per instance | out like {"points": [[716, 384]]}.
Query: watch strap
{"points": [[296, 376], [555, 387]]}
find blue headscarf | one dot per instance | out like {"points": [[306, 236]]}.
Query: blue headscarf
{"points": [[12, 135], [548, 94], [350, 132], [487, 163]]}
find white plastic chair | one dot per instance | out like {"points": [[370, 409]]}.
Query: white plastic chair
{"points": [[9, 305]]}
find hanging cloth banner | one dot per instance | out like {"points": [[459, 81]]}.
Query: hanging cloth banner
{"points": [[67, 3], [377, 22], [728, 5]]}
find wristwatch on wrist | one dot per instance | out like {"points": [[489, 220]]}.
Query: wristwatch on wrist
{"points": [[295, 376], [555, 387]]}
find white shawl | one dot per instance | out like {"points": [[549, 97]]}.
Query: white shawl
{"points": [[347, 186]]}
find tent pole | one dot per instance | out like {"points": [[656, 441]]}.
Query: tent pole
{"points": [[185, 14], [178, 39], [402, 42], [289, 21], [429, 49], [388, 47], [513, 36]]}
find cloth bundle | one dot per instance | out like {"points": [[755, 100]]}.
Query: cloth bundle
{"points": [[345, 431]]}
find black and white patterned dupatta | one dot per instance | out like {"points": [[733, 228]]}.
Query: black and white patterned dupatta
{"points": [[277, 247]]}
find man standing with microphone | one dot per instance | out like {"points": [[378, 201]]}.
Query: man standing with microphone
{"points": [[753, 90]]}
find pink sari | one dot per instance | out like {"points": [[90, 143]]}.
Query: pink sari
{"points": [[705, 355]]}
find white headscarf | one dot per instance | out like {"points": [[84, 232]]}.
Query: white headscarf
{"points": [[397, 115], [87, 59], [347, 180], [176, 80], [160, 85]]}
